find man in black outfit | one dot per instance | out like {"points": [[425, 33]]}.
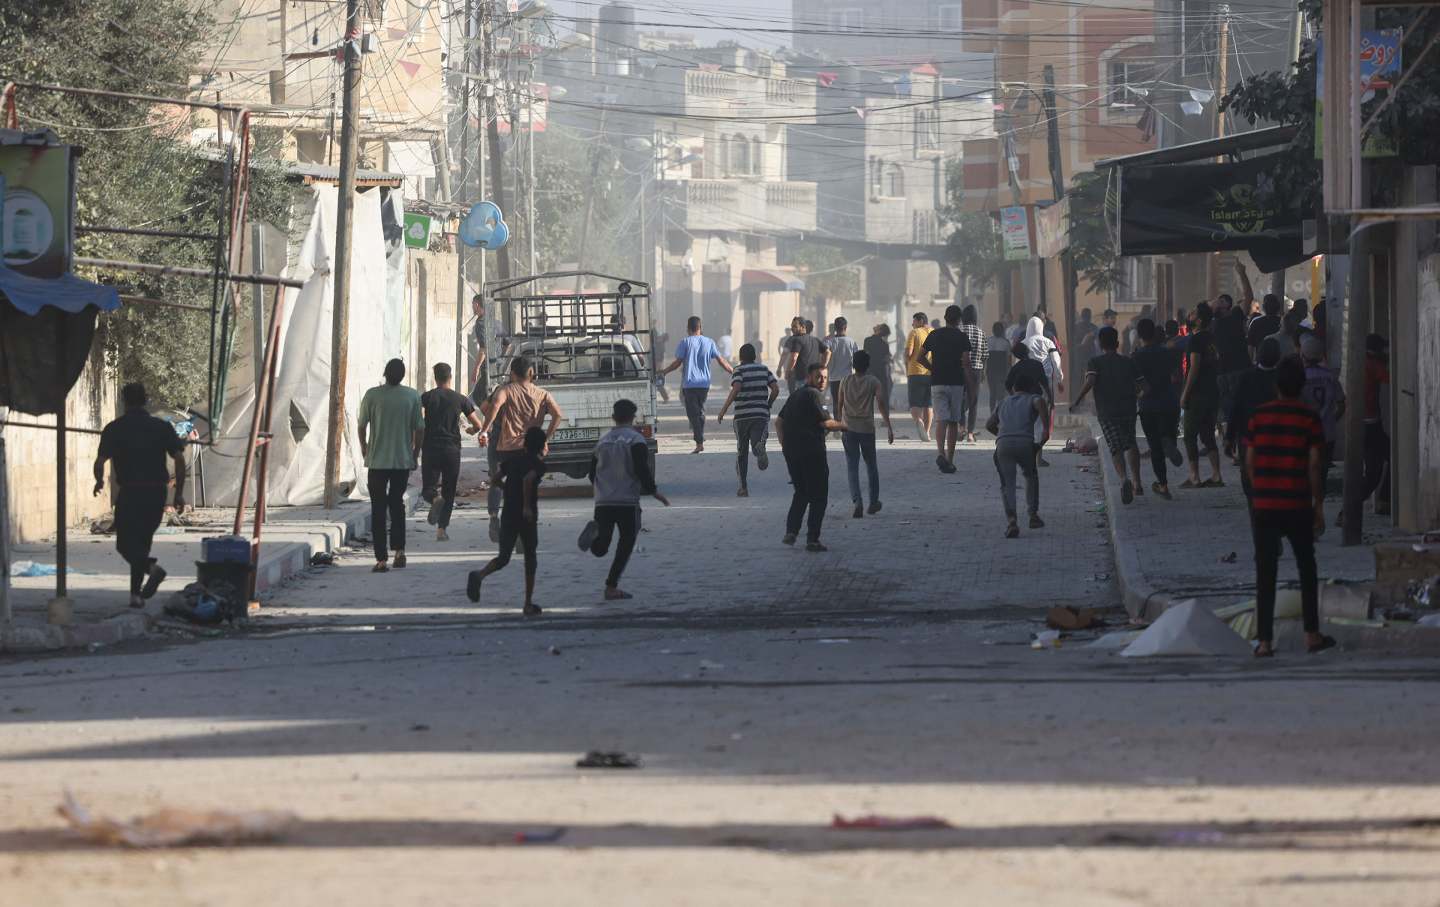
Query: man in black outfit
{"points": [[138, 443], [801, 428], [440, 451]]}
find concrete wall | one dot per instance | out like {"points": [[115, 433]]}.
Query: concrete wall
{"points": [[1426, 390], [430, 292], [30, 458]]}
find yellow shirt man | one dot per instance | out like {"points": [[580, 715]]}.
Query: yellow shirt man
{"points": [[914, 346]]}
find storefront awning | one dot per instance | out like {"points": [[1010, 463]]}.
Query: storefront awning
{"points": [[767, 281]]}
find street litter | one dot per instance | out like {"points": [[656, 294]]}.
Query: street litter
{"points": [[322, 559], [1188, 628], [602, 759], [208, 603], [1424, 593], [178, 827], [1230, 558], [888, 823], [1047, 639], [1429, 620], [553, 650], [1067, 618], [35, 568], [542, 836]]}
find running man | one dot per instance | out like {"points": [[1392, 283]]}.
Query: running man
{"points": [[753, 390], [1201, 400], [138, 443], [840, 362], [856, 406], [516, 407], [695, 354], [917, 375], [1113, 378], [947, 354], [1159, 404], [620, 473], [440, 452], [802, 349], [392, 429], [520, 476], [1014, 425], [801, 428]]}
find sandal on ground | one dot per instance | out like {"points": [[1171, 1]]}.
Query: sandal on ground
{"points": [[531, 610], [1012, 531], [1127, 492], [1264, 652], [1191, 483], [399, 562], [1161, 490], [615, 595], [1213, 483], [1326, 642], [380, 567]]}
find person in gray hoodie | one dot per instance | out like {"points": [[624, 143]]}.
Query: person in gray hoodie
{"points": [[620, 472]]}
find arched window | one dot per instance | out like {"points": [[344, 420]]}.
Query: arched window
{"points": [[757, 157], [740, 161], [877, 177], [895, 181]]}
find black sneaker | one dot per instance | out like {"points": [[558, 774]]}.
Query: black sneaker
{"points": [[1127, 492], [789, 539], [942, 463], [437, 504], [859, 512], [815, 546], [1036, 522], [472, 586], [762, 459], [153, 581], [874, 507], [587, 535]]}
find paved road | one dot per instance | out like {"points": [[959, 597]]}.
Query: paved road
{"points": [[766, 690]]}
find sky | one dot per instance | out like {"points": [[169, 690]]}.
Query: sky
{"points": [[771, 13]]}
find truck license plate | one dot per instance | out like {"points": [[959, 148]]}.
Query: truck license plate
{"points": [[577, 434]]}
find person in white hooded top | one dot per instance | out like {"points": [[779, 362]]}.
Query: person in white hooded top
{"points": [[1043, 350]]}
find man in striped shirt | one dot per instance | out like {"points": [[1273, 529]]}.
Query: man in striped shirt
{"points": [[753, 390], [1284, 461]]}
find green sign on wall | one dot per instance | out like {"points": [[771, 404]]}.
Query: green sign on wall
{"points": [[417, 230]]}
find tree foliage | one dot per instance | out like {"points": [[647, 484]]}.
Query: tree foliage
{"points": [[825, 272], [1092, 247], [974, 237], [136, 167]]}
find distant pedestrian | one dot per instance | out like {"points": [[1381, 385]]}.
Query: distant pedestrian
{"points": [[138, 443], [620, 474], [840, 363], [801, 429], [1325, 395], [1159, 403], [1254, 389], [1284, 452], [997, 363], [695, 354], [440, 453], [855, 405], [478, 385], [1265, 324], [514, 408], [979, 357], [753, 390], [1083, 347], [882, 364], [802, 349], [1014, 424], [947, 354], [1114, 378], [520, 477], [392, 428], [1201, 401], [917, 375], [1043, 350]]}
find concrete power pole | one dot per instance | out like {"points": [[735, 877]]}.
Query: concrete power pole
{"points": [[340, 314], [1222, 84]]}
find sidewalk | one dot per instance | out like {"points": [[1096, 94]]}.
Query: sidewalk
{"points": [[98, 583], [1169, 551]]}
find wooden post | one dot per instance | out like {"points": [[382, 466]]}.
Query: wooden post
{"points": [[340, 314], [1222, 84]]}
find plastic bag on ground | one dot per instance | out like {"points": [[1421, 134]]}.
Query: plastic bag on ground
{"points": [[1189, 628]]}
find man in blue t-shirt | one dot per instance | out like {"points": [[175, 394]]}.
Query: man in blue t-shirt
{"points": [[694, 354]]}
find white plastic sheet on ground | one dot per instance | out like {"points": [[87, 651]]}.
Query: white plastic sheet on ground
{"points": [[1189, 628], [302, 386]]}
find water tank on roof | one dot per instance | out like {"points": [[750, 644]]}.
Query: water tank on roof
{"points": [[616, 29]]}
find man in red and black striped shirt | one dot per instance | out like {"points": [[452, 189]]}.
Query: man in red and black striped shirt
{"points": [[1284, 459]]}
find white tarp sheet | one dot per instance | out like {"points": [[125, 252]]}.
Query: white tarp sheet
{"points": [[302, 387], [1188, 628]]}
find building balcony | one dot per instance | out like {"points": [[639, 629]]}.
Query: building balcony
{"points": [[735, 205]]}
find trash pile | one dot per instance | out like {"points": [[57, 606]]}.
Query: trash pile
{"points": [[214, 602], [177, 827]]}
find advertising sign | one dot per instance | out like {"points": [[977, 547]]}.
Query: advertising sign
{"points": [[1380, 66], [38, 203], [417, 230], [1015, 232]]}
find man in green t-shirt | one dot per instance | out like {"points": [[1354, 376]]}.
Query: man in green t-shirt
{"points": [[391, 430]]}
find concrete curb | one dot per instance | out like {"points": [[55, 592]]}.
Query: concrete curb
{"points": [[279, 561]]}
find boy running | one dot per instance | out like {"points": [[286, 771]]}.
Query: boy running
{"points": [[1113, 378], [520, 477], [620, 472], [856, 406], [1014, 425], [753, 390]]}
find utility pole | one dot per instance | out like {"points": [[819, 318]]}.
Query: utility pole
{"points": [[1057, 180], [340, 313], [467, 43], [492, 133], [1222, 83]]}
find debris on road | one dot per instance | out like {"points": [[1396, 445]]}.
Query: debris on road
{"points": [[603, 759], [322, 559], [1188, 628], [1067, 618], [553, 650], [541, 836], [888, 823], [35, 569], [1230, 558], [1048, 639], [178, 827]]}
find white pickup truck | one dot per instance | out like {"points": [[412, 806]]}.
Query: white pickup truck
{"points": [[589, 349]]}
